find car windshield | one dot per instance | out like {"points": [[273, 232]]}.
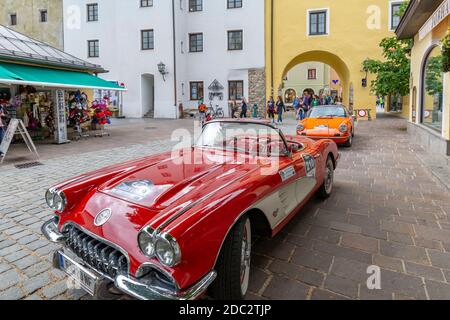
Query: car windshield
{"points": [[254, 138], [327, 112]]}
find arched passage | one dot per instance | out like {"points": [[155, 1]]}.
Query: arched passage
{"points": [[326, 57]]}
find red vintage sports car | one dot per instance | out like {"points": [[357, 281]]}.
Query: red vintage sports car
{"points": [[179, 224]]}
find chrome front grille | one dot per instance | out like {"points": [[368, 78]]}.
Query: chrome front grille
{"points": [[99, 255]]}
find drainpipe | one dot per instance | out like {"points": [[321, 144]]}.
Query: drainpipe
{"points": [[271, 45], [174, 59]]}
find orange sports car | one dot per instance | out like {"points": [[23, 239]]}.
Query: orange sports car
{"points": [[328, 122]]}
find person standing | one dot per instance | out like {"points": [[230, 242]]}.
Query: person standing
{"points": [[202, 112], [244, 108], [234, 109], [280, 109], [3, 113], [306, 104], [296, 105], [271, 109]]}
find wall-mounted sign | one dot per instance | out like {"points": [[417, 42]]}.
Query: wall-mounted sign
{"points": [[215, 89], [16, 126], [60, 116], [437, 17]]}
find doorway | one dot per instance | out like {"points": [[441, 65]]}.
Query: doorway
{"points": [[148, 95]]}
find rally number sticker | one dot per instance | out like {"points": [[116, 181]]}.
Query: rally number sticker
{"points": [[310, 165], [287, 173]]}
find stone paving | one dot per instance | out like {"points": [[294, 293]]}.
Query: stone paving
{"points": [[386, 210]]}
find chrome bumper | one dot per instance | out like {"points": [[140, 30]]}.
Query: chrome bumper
{"points": [[132, 286], [144, 292]]}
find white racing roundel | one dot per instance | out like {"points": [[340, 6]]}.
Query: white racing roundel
{"points": [[102, 217]]}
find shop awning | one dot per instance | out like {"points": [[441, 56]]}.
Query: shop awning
{"points": [[46, 77]]}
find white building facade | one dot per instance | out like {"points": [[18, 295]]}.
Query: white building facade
{"points": [[210, 50]]}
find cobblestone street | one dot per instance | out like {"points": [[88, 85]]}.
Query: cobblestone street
{"points": [[387, 210]]}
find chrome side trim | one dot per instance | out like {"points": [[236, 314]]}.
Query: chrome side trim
{"points": [[190, 206], [144, 292]]}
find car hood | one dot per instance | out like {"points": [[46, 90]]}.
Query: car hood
{"points": [[185, 177], [324, 123]]}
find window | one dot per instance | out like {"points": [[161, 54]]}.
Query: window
{"points": [[195, 5], [312, 74], [147, 40], [44, 16], [146, 3], [317, 23], [395, 17], [235, 90], [92, 12], [235, 40], [197, 90], [93, 49], [13, 19], [432, 91], [196, 42], [232, 4]]}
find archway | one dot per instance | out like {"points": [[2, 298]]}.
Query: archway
{"points": [[148, 95], [327, 58]]}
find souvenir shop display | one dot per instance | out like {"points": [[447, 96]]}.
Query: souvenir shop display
{"points": [[78, 113], [36, 111], [101, 116]]}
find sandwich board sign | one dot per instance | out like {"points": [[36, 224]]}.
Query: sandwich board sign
{"points": [[16, 126]]}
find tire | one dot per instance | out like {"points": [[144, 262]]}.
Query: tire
{"points": [[349, 142], [233, 264], [326, 189]]}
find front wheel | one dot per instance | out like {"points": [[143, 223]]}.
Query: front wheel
{"points": [[349, 142], [327, 187], [233, 265]]}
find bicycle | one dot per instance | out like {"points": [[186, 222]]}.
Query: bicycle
{"points": [[216, 113]]}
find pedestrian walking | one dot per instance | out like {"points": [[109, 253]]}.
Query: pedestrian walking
{"points": [[255, 110], [280, 109], [244, 108], [3, 115], [296, 105], [271, 109], [234, 109], [202, 112]]}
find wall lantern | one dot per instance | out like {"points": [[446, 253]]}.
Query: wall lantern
{"points": [[364, 80], [162, 70]]}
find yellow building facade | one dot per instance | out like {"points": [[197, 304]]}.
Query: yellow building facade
{"points": [[428, 22], [341, 34], [39, 19]]}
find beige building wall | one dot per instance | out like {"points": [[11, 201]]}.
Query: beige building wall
{"points": [[297, 78], [28, 19]]}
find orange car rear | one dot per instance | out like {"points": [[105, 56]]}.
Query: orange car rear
{"points": [[328, 122]]}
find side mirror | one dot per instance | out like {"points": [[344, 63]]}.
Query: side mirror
{"points": [[293, 148]]}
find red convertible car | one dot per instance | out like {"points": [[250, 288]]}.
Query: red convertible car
{"points": [[179, 225]]}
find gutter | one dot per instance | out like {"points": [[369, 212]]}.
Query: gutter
{"points": [[271, 46], [174, 58]]}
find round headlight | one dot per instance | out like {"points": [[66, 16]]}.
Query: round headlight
{"points": [[167, 251], [300, 127], [59, 201], [49, 198], [343, 128], [146, 244]]}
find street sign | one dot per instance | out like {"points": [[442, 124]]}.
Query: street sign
{"points": [[16, 126]]}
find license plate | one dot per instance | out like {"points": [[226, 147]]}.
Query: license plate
{"points": [[321, 127], [81, 275]]}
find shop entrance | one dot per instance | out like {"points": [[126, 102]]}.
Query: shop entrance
{"points": [[148, 95]]}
